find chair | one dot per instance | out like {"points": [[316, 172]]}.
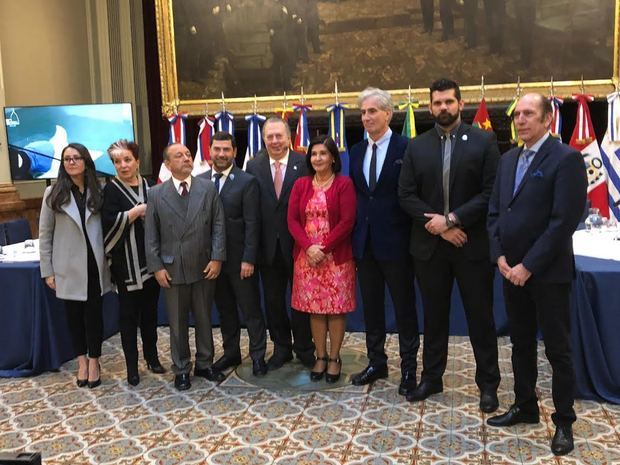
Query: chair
{"points": [[16, 231]]}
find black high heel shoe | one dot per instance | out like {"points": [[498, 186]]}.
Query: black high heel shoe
{"points": [[133, 378], [333, 378], [81, 382], [97, 382], [318, 375], [155, 367]]}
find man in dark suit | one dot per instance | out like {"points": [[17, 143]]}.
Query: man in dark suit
{"points": [[537, 201], [276, 169], [445, 185], [237, 285], [380, 241], [185, 248]]}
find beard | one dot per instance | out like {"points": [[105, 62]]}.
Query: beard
{"points": [[446, 118]]}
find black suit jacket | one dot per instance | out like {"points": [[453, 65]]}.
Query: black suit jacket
{"points": [[378, 212], [472, 171], [239, 196], [535, 226], [273, 210]]}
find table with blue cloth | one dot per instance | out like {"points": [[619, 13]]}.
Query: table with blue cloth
{"points": [[34, 335]]}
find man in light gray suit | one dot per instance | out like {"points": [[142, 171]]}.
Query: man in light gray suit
{"points": [[185, 248]]}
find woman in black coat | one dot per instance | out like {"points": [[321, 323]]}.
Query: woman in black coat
{"points": [[124, 206]]}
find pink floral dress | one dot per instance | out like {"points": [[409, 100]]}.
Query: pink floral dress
{"points": [[327, 288]]}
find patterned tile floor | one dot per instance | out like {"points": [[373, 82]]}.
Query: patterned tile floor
{"points": [[240, 423]]}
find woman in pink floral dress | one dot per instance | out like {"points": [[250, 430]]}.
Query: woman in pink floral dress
{"points": [[321, 215]]}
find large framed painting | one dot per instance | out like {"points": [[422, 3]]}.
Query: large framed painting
{"points": [[253, 52]]}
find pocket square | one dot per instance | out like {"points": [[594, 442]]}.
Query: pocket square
{"points": [[537, 174]]}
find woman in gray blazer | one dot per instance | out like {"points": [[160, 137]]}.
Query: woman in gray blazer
{"points": [[72, 256]]}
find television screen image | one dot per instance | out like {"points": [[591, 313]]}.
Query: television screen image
{"points": [[37, 135]]}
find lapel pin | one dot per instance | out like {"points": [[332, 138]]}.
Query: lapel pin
{"points": [[464, 137], [295, 167]]}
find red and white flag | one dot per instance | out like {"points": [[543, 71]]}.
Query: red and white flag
{"points": [[202, 160], [176, 136], [584, 140]]}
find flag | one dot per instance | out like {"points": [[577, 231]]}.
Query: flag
{"points": [[514, 135], [302, 134], [176, 135], [556, 122], [481, 118], [225, 122], [202, 160], [584, 140], [409, 129], [255, 141], [610, 151], [338, 133]]}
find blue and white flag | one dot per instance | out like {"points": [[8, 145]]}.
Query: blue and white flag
{"points": [[610, 153], [225, 121], [337, 131], [556, 122], [255, 141], [302, 134], [176, 135]]}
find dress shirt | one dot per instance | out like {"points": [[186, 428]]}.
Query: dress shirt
{"points": [[382, 146], [177, 183], [224, 177], [283, 162]]}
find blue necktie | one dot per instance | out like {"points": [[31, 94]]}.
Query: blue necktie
{"points": [[217, 177], [522, 165]]}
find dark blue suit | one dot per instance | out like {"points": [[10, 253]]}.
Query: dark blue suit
{"points": [[535, 227], [380, 243]]}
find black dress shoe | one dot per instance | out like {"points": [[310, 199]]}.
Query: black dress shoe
{"points": [[425, 389], [81, 382], [488, 401], [133, 380], [211, 373], [307, 360], [407, 383], [368, 375], [278, 359], [224, 362], [318, 375], [259, 367], [94, 384], [333, 377], [562, 442], [155, 367], [181, 382], [513, 416]]}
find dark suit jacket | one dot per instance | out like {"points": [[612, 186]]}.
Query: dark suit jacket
{"points": [[378, 212], [273, 210], [535, 226], [184, 242], [239, 196], [472, 171]]}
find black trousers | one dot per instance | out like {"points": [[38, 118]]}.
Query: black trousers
{"points": [[85, 320], [445, 14], [373, 276], [475, 280], [138, 309], [544, 306], [231, 293], [276, 278]]}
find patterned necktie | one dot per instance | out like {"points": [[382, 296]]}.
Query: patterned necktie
{"points": [[184, 190], [277, 178], [447, 154], [524, 163], [217, 177], [372, 173]]}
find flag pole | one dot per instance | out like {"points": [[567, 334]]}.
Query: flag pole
{"points": [[223, 104], [552, 88], [255, 106], [482, 89], [302, 99], [336, 91]]}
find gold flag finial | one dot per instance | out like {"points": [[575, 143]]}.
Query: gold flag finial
{"points": [[552, 88], [482, 89], [582, 86], [519, 89], [302, 99], [336, 91], [223, 104], [255, 105]]}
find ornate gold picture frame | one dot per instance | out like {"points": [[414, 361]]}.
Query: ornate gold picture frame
{"points": [[211, 50]]}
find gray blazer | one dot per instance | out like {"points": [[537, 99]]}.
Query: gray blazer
{"points": [[184, 242], [62, 249]]}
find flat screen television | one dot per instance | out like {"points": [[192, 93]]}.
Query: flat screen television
{"points": [[37, 135]]}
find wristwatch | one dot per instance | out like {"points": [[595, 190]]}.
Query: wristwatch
{"points": [[451, 220]]}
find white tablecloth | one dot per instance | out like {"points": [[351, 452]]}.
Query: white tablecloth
{"points": [[597, 244], [27, 251]]}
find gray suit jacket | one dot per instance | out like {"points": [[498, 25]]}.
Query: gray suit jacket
{"points": [[184, 242], [63, 253]]}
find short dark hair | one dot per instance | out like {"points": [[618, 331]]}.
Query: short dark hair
{"points": [[331, 147], [223, 135], [445, 84]]}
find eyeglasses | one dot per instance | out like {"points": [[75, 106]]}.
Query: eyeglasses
{"points": [[72, 159]]}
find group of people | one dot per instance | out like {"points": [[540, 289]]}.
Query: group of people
{"points": [[443, 206]]}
